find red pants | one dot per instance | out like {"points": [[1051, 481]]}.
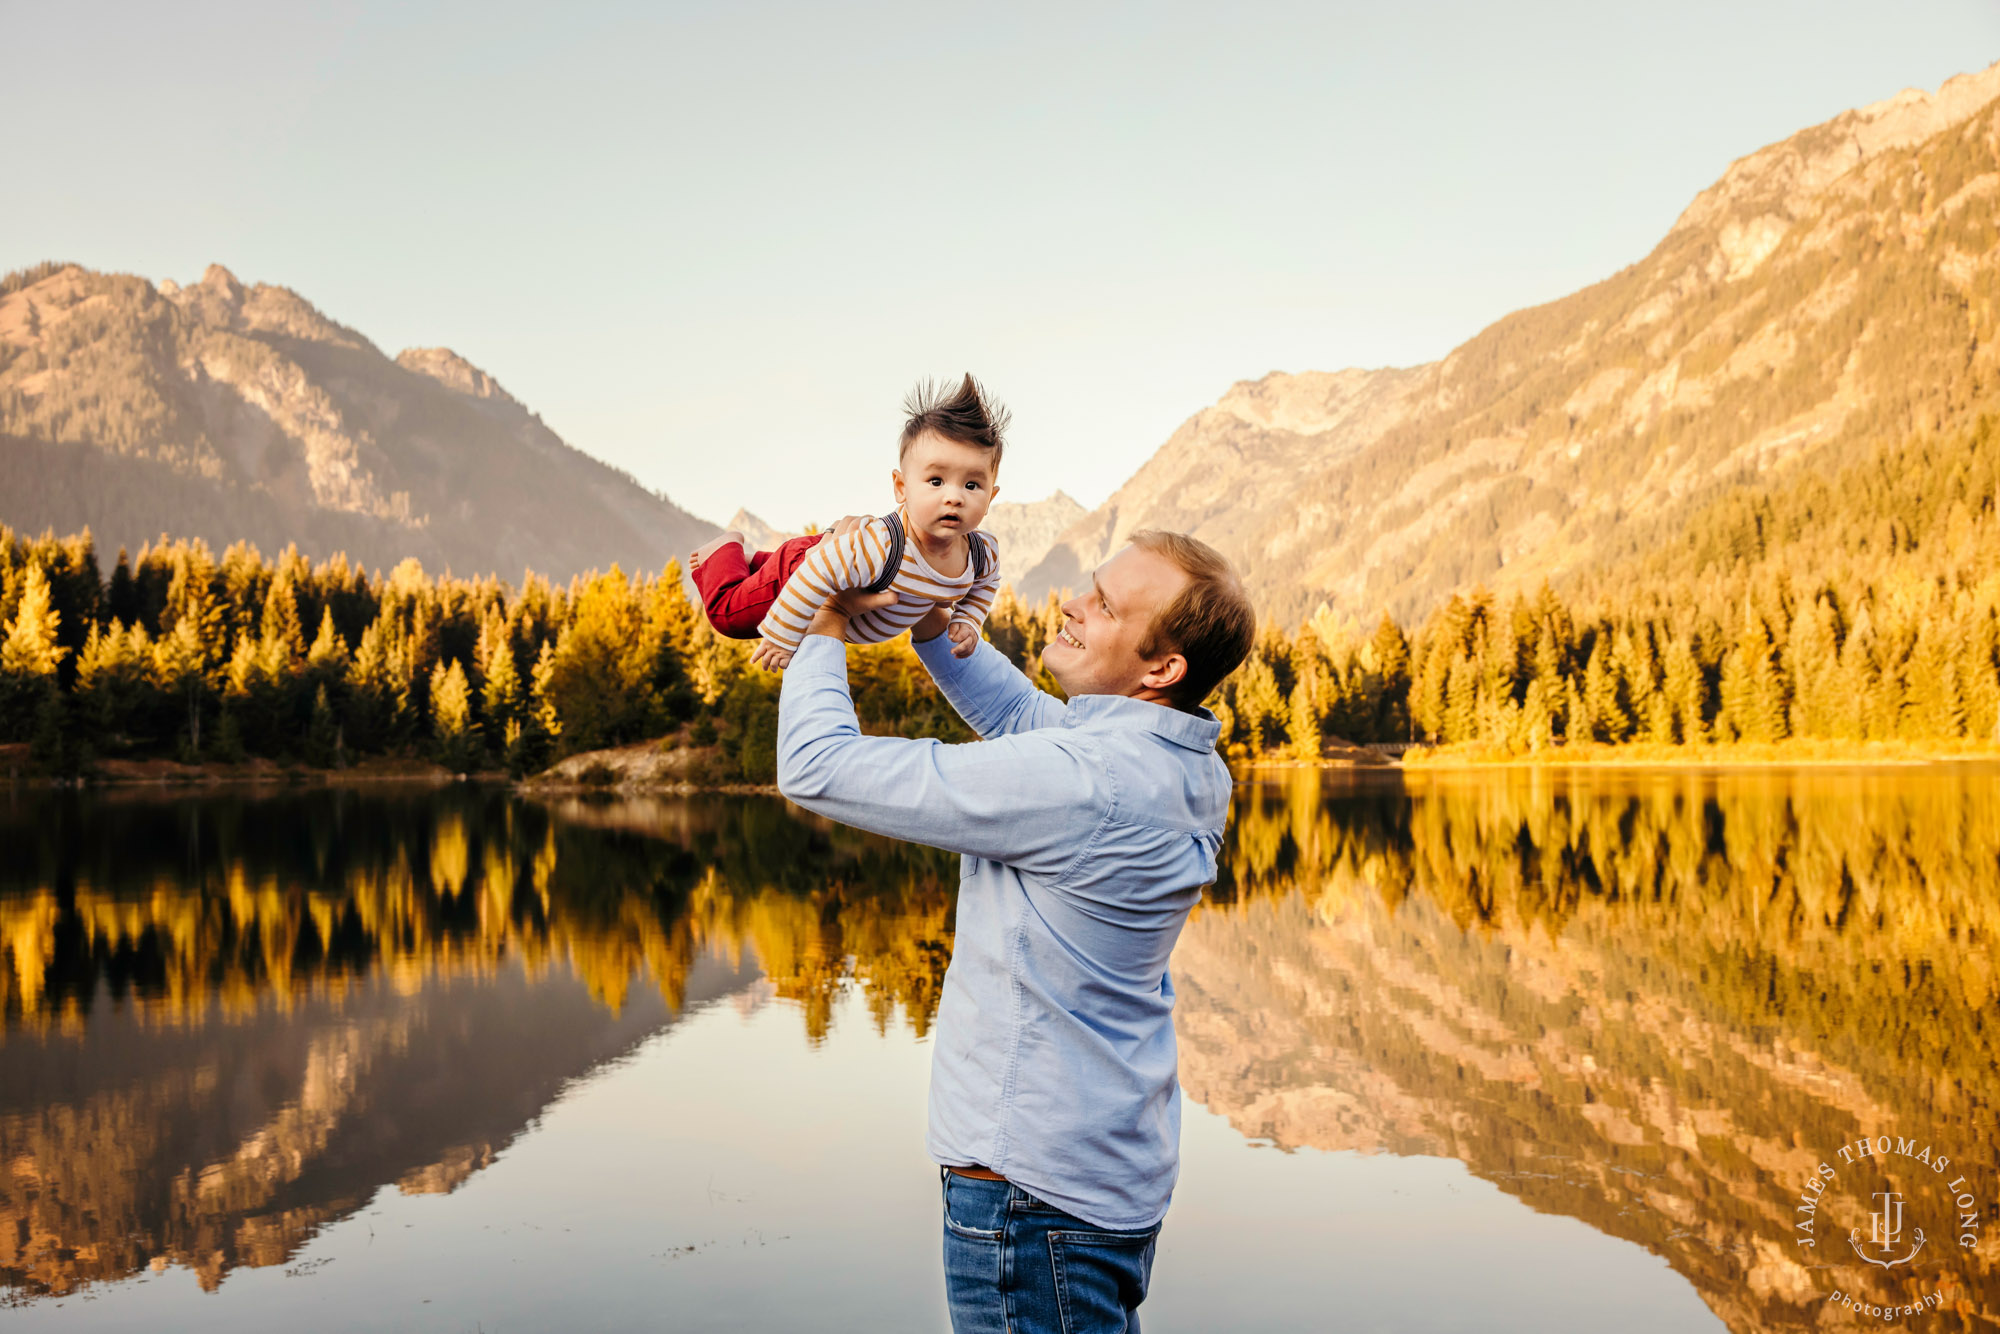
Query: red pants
{"points": [[737, 593]]}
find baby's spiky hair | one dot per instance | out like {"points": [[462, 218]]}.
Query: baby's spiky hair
{"points": [[960, 412]]}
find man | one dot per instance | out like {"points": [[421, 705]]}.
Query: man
{"points": [[1088, 830]]}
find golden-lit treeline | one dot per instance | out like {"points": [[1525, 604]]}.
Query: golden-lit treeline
{"points": [[1652, 1004], [1863, 606], [181, 653], [1855, 607], [183, 908]]}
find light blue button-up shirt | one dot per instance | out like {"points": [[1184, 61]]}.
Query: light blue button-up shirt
{"points": [[1088, 830]]}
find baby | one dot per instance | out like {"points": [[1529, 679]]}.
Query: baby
{"points": [[930, 551]]}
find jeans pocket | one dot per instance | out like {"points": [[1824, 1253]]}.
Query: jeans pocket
{"points": [[972, 1213], [1100, 1277], [975, 1261]]}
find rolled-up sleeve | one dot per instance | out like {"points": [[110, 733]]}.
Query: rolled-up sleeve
{"points": [[988, 691], [1030, 800]]}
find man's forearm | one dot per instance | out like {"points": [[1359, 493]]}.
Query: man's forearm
{"points": [[1030, 802], [988, 691]]}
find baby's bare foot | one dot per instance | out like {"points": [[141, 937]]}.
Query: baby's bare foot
{"points": [[710, 548]]}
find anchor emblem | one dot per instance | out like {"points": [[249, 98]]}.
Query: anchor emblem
{"points": [[1887, 1230]]}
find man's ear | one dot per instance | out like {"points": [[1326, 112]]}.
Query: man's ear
{"points": [[1167, 673]]}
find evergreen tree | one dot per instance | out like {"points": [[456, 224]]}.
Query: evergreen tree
{"points": [[542, 702], [1304, 723], [451, 716], [29, 660], [501, 695], [1391, 650], [1603, 696], [1537, 719], [323, 732], [121, 599], [327, 660], [1685, 694], [30, 649], [1260, 704], [1461, 700]]}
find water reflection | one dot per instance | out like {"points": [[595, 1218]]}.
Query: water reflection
{"points": [[181, 908], [229, 1020], [1653, 1003], [1648, 1002]]}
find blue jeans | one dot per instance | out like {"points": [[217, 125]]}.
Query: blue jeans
{"points": [[1014, 1265]]}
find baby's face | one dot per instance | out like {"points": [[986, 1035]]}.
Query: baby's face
{"points": [[946, 484]]}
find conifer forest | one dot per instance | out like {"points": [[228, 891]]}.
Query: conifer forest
{"points": [[1862, 607]]}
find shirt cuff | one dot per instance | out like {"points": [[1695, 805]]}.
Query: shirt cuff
{"points": [[821, 651]]}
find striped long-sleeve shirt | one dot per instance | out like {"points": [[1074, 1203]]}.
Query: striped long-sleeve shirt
{"points": [[840, 564]]}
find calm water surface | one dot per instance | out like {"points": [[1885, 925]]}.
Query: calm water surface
{"points": [[1461, 1052]]}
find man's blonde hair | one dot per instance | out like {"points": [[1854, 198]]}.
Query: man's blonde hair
{"points": [[1209, 622]]}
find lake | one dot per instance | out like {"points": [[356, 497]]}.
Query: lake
{"points": [[1497, 1050]]}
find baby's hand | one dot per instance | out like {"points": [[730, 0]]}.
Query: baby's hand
{"points": [[770, 657], [964, 638]]}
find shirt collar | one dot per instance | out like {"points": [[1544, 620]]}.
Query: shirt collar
{"points": [[1195, 731]]}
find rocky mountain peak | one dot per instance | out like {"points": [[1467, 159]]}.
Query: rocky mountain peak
{"points": [[222, 283], [1826, 296], [1758, 198], [220, 301], [1026, 531], [230, 412], [454, 372], [762, 536]]}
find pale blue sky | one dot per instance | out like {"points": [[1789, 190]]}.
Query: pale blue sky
{"points": [[714, 244]]}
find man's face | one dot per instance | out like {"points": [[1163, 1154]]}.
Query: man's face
{"points": [[947, 485], [1097, 652]]}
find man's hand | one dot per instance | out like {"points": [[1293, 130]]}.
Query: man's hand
{"points": [[832, 618], [964, 639], [770, 657]]}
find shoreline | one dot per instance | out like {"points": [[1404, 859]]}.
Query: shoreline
{"points": [[644, 768], [1733, 755]]}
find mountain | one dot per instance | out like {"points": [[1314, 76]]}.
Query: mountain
{"points": [[1829, 293], [222, 411], [1027, 530], [763, 537]]}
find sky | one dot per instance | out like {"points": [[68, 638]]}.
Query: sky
{"points": [[715, 244]]}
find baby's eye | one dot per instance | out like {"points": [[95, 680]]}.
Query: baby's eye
{"points": [[937, 481], [972, 486]]}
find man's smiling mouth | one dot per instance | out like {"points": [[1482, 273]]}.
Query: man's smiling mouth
{"points": [[1066, 637]]}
